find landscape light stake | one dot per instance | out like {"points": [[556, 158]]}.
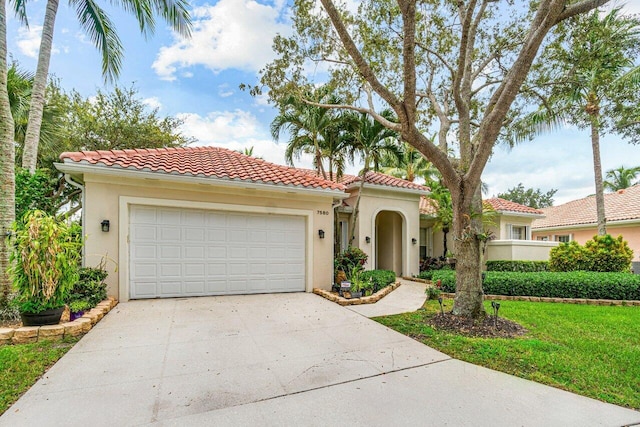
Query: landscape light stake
{"points": [[441, 309], [496, 307]]}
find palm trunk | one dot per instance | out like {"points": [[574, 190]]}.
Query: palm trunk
{"points": [[32, 137], [469, 294], [445, 231], [597, 173], [7, 161]]}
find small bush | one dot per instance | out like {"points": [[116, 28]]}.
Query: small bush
{"points": [[347, 261], [90, 287], [380, 278], [605, 253], [602, 253], [521, 266], [577, 284], [432, 293]]}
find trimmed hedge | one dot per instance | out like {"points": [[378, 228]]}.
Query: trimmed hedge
{"points": [[380, 278], [575, 284], [521, 266]]}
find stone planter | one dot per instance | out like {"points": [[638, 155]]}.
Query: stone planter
{"points": [[47, 317]]}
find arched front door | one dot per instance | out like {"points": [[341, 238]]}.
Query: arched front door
{"points": [[389, 250]]}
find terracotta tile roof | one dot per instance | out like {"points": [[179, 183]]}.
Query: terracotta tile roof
{"points": [[502, 205], [429, 207], [213, 162], [618, 206], [377, 178]]}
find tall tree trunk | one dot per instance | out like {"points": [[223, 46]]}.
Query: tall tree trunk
{"points": [[445, 232], [7, 160], [356, 209], [32, 137], [597, 173], [467, 223]]}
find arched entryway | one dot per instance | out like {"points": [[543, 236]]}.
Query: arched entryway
{"points": [[389, 245]]}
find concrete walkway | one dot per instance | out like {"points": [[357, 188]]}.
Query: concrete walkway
{"points": [[406, 298], [292, 359]]}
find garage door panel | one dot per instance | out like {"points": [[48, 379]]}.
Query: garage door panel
{"points": [[170, 252], [171, 270], [187, 252]]}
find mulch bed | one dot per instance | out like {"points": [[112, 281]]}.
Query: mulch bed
{"points": [[489, 327]]}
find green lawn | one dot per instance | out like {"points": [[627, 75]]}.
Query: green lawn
{"points": [[21, 365], [590, 350]]}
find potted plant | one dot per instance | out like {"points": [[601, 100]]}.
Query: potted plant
{"points": [[77, 309], [44, 267]]}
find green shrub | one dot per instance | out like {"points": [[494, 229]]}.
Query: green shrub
{"points": [[380, 278], [432, 293], [602, 253], [350, 259], [44, 262], [605, 253], [426, 274], [576, 284], [90, 287], [522, 266], [569, 256]]}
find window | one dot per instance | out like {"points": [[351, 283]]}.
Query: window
{"points": [[344, 235], [565, 238], [543, 238], [519, 232], [425, 243]]}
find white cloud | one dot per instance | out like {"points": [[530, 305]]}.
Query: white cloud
{"points": [[230, 34], [562, 160], [28, 41], [153, 102], [224, 91], [236, 130]]}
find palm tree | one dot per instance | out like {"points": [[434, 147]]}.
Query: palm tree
{"points": [[372, 141], [7, 154], [98, 26], [411, 164], [621, 178], [440, 199], [306, 125], [598, 52]]}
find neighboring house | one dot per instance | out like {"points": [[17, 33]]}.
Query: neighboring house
{"points": [[511, 224], [576, 220], [211, 221]]}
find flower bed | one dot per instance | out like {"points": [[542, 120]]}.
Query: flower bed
{"points": [[371, 299]]}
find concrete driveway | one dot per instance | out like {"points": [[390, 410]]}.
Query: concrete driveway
{"points": [[292, 359]]}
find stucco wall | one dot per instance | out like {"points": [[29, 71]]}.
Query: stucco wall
{"points": [[374, 201], [105, 196], [519, 250], [631, 233]]}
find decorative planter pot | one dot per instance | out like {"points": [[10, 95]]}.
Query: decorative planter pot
{"points": [[356, 294], [76, 315], [47, 317]]}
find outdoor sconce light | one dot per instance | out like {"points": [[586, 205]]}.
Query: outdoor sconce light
{"points": [[105, 225], [321, 234], [367, 239], [414, 241]]}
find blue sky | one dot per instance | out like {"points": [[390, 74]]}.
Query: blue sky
{"points": [[198, 80]]}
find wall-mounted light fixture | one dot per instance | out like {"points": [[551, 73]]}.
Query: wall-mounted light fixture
{"points": [[367, 239], [414, 241], [321, 234], [105, 225]]}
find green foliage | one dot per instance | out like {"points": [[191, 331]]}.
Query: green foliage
{"points": [[358, 282], [522, 266], [432, 292], [576, 284], [569, 256], [350, 259], [90, 287], [621, 178], [9, 308], [602, 253], [78, 306], [44, 261], [606, 253], [379, 278], [529, 197], [35, 192]]}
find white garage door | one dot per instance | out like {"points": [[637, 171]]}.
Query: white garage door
{"points": [[188, 252]]}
